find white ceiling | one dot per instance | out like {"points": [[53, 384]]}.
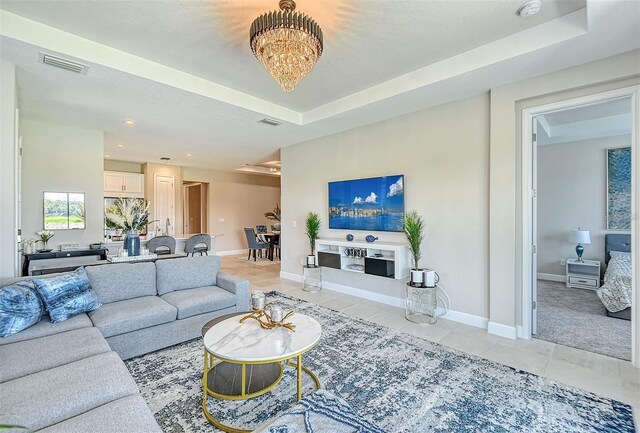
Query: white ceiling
{"points": [[183, 69], [585, 122]]}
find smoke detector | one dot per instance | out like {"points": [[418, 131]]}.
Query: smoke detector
{"points": [[530, 8]]}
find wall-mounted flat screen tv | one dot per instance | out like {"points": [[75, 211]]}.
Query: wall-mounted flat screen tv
{"points": [[371, 204]]}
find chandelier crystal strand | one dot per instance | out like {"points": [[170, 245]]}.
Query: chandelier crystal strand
{"points": [[287, 43]]}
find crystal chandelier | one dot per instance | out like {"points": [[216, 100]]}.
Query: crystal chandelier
{"points": [[287, 43]]}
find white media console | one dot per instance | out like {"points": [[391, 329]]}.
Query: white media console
{"points": [[383, 259]]}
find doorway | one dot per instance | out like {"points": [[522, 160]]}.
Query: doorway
{"points": [[195, 207], [578, 226]]}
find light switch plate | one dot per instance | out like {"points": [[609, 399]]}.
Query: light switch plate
{"points": [[294, 224], [220, 220]]}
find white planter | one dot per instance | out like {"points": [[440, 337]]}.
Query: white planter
{"points": [[416, 277], [311, 260]]}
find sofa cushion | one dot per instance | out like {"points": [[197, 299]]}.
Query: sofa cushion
{"points": [[67, 295], [45, 327], [128, 414], [132, 314], [51, 396], [186, 273], [191, 302], [20, 307], [117, 282], [17, 359]]}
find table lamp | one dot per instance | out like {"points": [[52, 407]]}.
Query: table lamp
{"points": [[579, 237]]}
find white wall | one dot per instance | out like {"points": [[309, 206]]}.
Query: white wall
{"points": [[124, 166], [61, 158], [443, 153], [8, 223], [240, 199], [572, 193]]}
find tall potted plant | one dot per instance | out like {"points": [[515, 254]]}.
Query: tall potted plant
{"points": [[413, 226], [130, 215], [313, 228], [274, 215]]}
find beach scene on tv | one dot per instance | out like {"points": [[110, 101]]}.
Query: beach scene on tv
{"points": [[375, 204]]}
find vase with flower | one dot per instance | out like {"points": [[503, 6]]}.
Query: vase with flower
{"points": [[45, 237], [130, 215]]}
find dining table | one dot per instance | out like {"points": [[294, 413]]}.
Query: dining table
{"points": [[271, 238]]}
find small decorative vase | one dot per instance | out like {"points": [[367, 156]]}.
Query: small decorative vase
{"points": [[349, 237], [132, 243], [44, 246], [370, 238]]}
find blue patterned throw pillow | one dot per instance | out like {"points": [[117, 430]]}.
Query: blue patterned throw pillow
{"points": [[67, 295], [20, 307]]}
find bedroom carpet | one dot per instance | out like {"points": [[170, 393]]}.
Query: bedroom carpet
{"points": [[402, 383], [577, 318]]}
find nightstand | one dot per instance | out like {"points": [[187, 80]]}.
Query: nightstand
{"points": [[583, 275]]}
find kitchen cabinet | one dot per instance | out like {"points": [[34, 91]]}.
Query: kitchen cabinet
{"points": [[121, 184]]}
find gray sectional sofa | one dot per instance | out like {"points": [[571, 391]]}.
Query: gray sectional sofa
{"points": [[69, 377]]}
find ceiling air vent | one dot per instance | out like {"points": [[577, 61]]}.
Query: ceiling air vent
{"points": [[165, 158], [270, 122], [61, 63]]}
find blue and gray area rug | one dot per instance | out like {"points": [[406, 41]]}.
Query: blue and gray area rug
{"points": [[396, 381]]}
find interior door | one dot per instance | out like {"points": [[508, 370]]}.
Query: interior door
{"points": [[534, 226], [164, 203]]}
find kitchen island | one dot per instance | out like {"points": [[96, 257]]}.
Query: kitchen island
{"points": [[181, 240], [57, 262]]}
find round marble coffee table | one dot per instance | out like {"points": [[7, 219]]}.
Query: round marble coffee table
{"points": [[243, 360]]}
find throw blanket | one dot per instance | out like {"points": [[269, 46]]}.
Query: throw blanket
{"points": [[615, 293], [321, 412]]}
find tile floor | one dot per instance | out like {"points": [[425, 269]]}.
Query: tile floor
{"points": [[603, 375]]}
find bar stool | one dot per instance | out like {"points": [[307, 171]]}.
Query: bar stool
{"points": [[162, 245], [200, 243]]}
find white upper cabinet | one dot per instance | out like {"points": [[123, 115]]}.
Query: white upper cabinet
{"points": [[120, 184]]}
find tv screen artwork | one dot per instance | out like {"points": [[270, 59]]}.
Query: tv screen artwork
{"points": [[372, 204]]}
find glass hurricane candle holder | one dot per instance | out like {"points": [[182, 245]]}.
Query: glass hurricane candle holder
{"points": [[258, 300]]}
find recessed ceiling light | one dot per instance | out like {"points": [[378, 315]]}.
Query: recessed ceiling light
{"points": [[106, 156], [129, 122], [189, 155], [530, 8], [120, 145]]}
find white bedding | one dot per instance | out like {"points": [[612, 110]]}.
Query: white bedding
{"points": [[615, 293]]}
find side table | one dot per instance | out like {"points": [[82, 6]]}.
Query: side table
{"points": [[312, 281], [583, 274], [421, 304]]}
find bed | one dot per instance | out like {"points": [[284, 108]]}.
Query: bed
{"points": [[615, 293]]}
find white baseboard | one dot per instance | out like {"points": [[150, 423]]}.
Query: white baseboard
{"points": [[520, 333], [465, 318], [501, 330], [552, 277], [455, 316], [231, 252], [365, 294], [291, 276]]}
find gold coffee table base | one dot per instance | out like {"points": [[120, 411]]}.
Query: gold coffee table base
{"points": [[264, 376]]}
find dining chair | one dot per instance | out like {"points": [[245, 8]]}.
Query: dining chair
{"points": [[162, 245], [254, 245], [276, 247], [200, 243]]}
